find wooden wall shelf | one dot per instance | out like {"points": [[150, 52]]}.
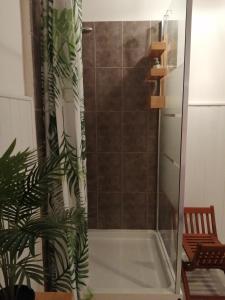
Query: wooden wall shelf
{"points": [[157, 102], [157, 73], [157, 49]]}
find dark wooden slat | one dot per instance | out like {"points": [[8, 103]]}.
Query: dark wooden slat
{"points": [[186, 223], [202, 223], [213, 220], [197, 222], [191, 223], [208, 223]]}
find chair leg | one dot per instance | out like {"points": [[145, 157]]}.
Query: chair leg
{"points": [[185, 283]]}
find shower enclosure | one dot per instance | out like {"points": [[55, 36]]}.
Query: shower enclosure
{"points": [[135, 154], [172, 134]]}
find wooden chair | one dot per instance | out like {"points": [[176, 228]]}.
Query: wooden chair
{"points": [[53, 296], [201, 244]]}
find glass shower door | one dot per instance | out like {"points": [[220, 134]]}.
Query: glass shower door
{"points": [[172, 133]]}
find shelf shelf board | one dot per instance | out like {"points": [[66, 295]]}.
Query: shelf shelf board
{"points": [[156, 73], [157, 49], [157, 102]]}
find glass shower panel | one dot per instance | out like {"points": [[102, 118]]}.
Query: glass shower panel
{"points": [[170, 129]]}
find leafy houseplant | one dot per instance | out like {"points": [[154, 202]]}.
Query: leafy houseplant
{"points": [[25, 187]]}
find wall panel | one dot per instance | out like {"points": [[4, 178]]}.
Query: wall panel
{"points": [[205, 176], [17, 121]]}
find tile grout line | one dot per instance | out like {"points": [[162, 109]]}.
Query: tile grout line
{"points": [[156, 197], [122, 133], [120, 67], [117, 152], [117, 111], [148, 152], [96, 127]]}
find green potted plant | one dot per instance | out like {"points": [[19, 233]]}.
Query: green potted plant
{"points": [[25, 187]]}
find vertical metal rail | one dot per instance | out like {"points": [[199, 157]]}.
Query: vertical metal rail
{"points": [[158, 164], [187, 51], [158, 157]]}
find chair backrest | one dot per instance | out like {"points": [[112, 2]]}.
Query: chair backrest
{"points": [[209, 257], [200, 220]]}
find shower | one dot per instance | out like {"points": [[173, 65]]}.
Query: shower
{"points": [[133, 152]]}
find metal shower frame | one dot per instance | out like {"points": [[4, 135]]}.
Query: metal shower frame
{"points": [[187, 51]]}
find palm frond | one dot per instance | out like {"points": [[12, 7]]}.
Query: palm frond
{"points": [[78, 252], [71, 166], [15, 240], [13, 167], [29, 268], [81, 259]]}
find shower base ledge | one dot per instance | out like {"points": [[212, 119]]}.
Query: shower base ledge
{"points": [[129, 265], [150, 296]]}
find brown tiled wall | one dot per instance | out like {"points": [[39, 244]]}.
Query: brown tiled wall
{"points": [[121, 130]]}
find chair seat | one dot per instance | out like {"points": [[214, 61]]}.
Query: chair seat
{"points": [[191, 242]]}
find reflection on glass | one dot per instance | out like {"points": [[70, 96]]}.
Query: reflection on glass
{"points": [[170, 128]]}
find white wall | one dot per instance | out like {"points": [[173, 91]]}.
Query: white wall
{"points": [[17, 119], [124, 10], [11, 65], [205, 167], [207, 71], [205, 174], [16, 109]]}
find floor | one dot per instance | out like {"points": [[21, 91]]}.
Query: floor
{"points": [[207, 282], [128, 262]]}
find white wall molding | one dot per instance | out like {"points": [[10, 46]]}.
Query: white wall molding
{"points": [[16, 97]]}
